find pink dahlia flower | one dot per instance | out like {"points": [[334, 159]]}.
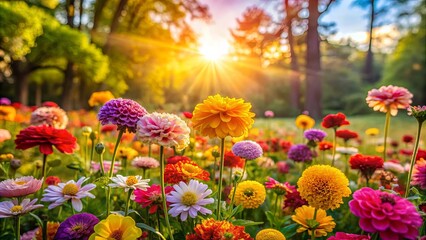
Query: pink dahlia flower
{"points": [[145, 162], [19, 187], [419, 174], [348, 236], [388, 214], [51, 116], [164, 129], [389, 98]]}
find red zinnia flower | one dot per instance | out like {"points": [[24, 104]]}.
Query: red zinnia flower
{"points": [[108, 128], [233, 161], [407, 138], [421, 154], [366, 164], [52, 180], [184, 171], [334, 120], [176, 159], [151, 197], [323, 146], [45, 137], [285, 145], [211, 229], [293, 200], [346, 134], [50, 104]]}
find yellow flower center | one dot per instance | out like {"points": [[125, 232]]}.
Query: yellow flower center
{"points": [[70, 189], [189, 198], [16, 208], [190, 170], [77, 227], [131, 180], [20, 182], [116, 234], [248, 192]]}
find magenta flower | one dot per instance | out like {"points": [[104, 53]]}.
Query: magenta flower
{"points": [[388, 214], [389, 98], [151, 197], [164, 129], [279, 188], [19, 187], [124, 113], [78, 226], [248, 150], [283, 167], [348, 236], [419, 174]]}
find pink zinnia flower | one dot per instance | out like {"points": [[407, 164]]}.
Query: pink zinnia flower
{"points": [[145, 162], [14, 208], [107, 165], [4, 135], [283, 167], [279, 188], [51, 116], [419, 174], [151, 197], [389, 98], [388, 214], [269, 114], [19, 187], [348, 236], [164, 129]]}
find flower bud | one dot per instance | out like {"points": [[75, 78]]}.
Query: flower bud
{"points": [[15, 163], [86, 131], [100, 148], [215, 153]]}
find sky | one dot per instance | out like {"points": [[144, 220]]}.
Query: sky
{"points": [[350, 21]]}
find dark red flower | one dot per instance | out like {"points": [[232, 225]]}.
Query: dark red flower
{"points": [[285, 145], [108, 128], [176, 159], [346, 134], [334, 120], [394, 144], [49, 104], [407, 139], [17, 105], [406, 152], [421, 154], [187, 115], [46, 137], [233, 161], [293, 200], [366, 164]]}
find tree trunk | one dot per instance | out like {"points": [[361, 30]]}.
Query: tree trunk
{"points": [[67, 87], [38, 94], [368, 71], [99, 7], [70, 13], [294, 64], [21, 72], [81, 10], [313, 64], [114, 24]]}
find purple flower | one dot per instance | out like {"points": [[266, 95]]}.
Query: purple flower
{"points": [[5, 101], [248, 150], [79, 226], [124, 113], [315, 135], [300, 153], [388, 214]]}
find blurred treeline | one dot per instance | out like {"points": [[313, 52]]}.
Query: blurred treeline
{"points": [[147, 50]]}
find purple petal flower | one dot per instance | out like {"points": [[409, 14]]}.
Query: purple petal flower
{"points": [[300, 153], [316, 135], [248, 150], [79, 226]]}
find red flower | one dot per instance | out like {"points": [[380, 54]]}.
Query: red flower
{"points": [[285, 145], [366, 164], [407, 138], [187, 115], [151, 197], [49, 104], [334, 120], [211, 229], [233, 161], [346, 134], [176, 159], [421, 154], [45, 137], [324, 146], [52, 180], [108, 128]]}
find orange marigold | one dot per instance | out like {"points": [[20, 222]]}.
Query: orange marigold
{"points": [[211, 229], [219, 116], [7, 113], [100, 98], [184, 170]]}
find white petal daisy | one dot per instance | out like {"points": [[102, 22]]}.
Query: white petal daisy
{"points": [[188, 199], [71, 190], [130, 182]]}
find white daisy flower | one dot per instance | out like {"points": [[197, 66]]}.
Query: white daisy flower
{"points": [[13, 208], [70, 190], [189, 199], [130, 182]]}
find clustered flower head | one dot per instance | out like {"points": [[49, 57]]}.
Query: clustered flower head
{"points": [[100, 98], [183, 171], [304, 122], [78, 226], [51, 116], [124, 113], [19, 187], [324, 224], [164, 129], [388, 214], [46, 137], [334, 120], [419, 174], [270, 234], [145, 162], [189, 199], [219, 116], [389, 98], [323, 186], [247, 149], [366, 164], [250, 194], [300, 153], [419, 112], [211, 229], [315, 135]]}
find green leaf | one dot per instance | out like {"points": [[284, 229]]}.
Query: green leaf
{"points": [[146, 227], [54, 163], [39, 221], [290, 230], [245, 223], [75, 166]]}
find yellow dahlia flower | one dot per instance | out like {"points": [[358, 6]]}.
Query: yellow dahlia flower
{"points": [[7, 113], [250, 194], [323, 186], [270, 234], [100, 98], [323, 224], [304, 122], [219, 116], [116, 227]]}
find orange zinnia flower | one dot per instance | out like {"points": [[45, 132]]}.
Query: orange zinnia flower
{"points": [[219, 116], [211, 229], [184, 170]]}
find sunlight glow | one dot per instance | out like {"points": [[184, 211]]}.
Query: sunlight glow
{"points": [[213, 50]]}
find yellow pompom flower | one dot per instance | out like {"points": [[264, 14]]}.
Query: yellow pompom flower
{"points": [[116, 227], [250, 194], [100, 98], [7, 113], [323, 186], [270, 234], [372, 131], [323, 224], [304, 122], [219, 116]]}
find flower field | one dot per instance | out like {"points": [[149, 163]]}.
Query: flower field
{"points": [[218, 172]]}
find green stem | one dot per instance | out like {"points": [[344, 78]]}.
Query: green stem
{"points": [[43, 168], [387, 123], [163, 191], [86, 150], [111, 170], [276, 204], [334, 147], [18, 227], [108, 201], [222, 157], [101, 163], [313, 230], [129, 194], [413, 159]]}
